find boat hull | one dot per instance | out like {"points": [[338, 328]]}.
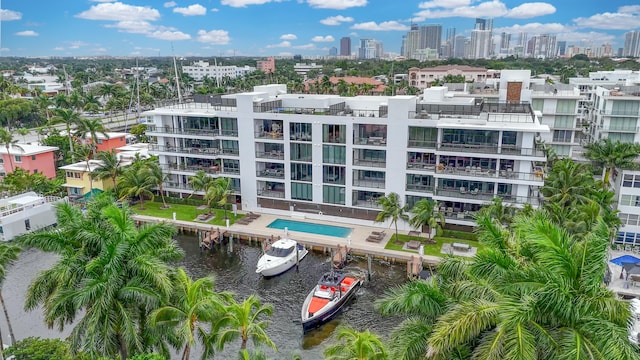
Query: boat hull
{"points": [[316, 321], [283, 266]]}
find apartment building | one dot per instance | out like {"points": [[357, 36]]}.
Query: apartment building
{"points": [[201, 69], [26, 213], [332, 157], [31, 158], [423, 77]]}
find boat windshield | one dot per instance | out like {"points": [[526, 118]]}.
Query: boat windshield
{"points": [[280, 252]]}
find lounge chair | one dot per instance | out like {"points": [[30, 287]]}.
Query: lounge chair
{"points": [[252, 216], [376, 237], [378, 233], [245, 221]]}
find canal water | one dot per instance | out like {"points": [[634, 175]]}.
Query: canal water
{"points": [[235, 272]]}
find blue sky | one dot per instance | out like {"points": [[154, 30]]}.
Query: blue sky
{"points": [[284, 27]]}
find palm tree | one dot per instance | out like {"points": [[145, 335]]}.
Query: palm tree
{"points": [[83, 152], [244, 321], [110, 273], [157, 177], [567, 184], [425, 214], [499, 211], [110, 167], [8, 254], [68, 117], [612, 155], [223, 188], [391, 209], [6, 139], [192, 305], [135, 183], [91, 128], [355, 345], [23, 132]]}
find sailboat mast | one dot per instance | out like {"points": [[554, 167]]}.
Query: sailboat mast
{"points": [[175, 69], [138, 86]]}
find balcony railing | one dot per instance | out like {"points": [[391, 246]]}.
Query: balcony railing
{"points": [[271, 173], [177, 131], [470, 194], [272, 135], [300, 137], [371, 204], [420, 188], [279, 194], [421, 166], [370, 162], [620, 113], [376, 184], [619, 128], [213, 170], [474, 172], [490, 149], [232, 152], [371, 140], [184, 150], [8, 210], [423, 144], [274, 154]]}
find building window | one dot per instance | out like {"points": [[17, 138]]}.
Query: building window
{"points": [[33, 157], [562, 135], [334, 154], [1, 160], [18, 158], [334, 133], [300, 191], [631, 180], [566, 106], [333, 195]]}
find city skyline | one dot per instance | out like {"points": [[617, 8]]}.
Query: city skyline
{"points": [[239, 27]]}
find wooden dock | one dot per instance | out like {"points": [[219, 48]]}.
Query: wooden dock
{"points": [[413, 261]]}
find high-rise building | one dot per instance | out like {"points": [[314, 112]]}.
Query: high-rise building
{"points": [[562, 48], [448, 47], [368, 49], [412, 42], [543, 46], [459, 47], [430, 37], [505, 42], [345, 46], [632, 44], [480, 44], [333, 51]]}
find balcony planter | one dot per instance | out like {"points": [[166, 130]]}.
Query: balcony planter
{"points": [[440, 167], [538, 174]]}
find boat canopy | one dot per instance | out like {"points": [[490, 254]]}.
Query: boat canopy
{"points": [[280, 252], [331, 279]]}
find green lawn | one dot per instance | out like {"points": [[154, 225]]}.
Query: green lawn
{"points": [[183, 212], [429, 249]]}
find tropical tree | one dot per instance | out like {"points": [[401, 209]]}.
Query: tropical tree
{"points": [[23, 132], [157, 177], [8, 254], [91, 128], [223, 189], [245, 321], [425, 213], [612, 155], [568, 184], [83, 152], [192, 305], [111, 274], [135, 183], [68, 117], [392, 209], [498, 210], [355, 345], [110, 167], [6, 138]]}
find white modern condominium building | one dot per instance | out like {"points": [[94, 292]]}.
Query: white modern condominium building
{"points": [[202, 69], [332, 157]]}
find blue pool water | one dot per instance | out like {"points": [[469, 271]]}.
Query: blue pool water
{"points": [[319, 229], [625, 259]]}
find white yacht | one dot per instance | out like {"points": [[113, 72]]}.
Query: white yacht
{"points": [[280, 257]]}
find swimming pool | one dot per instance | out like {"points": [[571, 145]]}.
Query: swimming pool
{"points": [[625, 259], [311, 228]]}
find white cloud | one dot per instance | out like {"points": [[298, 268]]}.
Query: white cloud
{"points": [[305, 47], [191, 10], [320, 38], [285, 54], [244, 3], [591, 37], [169, 35], [169, 4], [493, 8], [531, 10], [336, 4], [215, 37], [353, 33], [101, 1], [133, 27], [27, 33], [534, 28], [336, 20], [214, 10], [9, 15], [118, 11], [283, 44], [58, 48], [288, 37], [444, 4], [383, 26], [100, 50], [77, 44], [627, 18]]}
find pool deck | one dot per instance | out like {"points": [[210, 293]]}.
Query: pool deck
{"points": [[356, 241], [622, 286]]}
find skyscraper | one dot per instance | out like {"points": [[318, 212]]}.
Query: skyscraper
{"points": [[544, 46], [345, 46], [459, 47], [632, 44], [481, 39], [412, 42], [333, 51], [430, 37], [368, 49], [562, 48], [505, 42]]}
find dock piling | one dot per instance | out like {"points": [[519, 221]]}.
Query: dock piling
{"points": [[369, 266]]}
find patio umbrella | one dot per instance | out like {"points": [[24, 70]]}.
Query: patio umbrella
{"points": [[631, 268]]}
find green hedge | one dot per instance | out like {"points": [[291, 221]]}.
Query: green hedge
{"points": [[458, 235], [182, 201]]}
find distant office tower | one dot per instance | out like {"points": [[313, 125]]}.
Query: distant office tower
{"points": [[481, 39], [368, 49], [480, 24], [505, 42], [449, 45], [430, 37], [333, 51], [632, 44], [458, 47], [562, 48], [522, 39], [543, 47], [345, 46], [379, 50], [620, 52], [412, 42]]}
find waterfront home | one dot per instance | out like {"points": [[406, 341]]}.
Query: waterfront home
{"points": [[25, 213], [31, 158]]}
